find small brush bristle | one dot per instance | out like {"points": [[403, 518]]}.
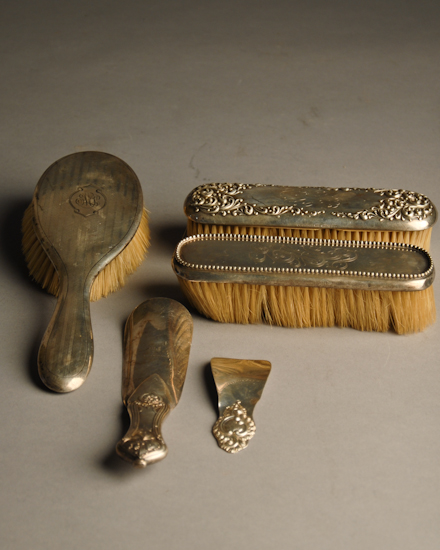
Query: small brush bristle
{"points": [[110, 279], [301, 307], [416, 238]]}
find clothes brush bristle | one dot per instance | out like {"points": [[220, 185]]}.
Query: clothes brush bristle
{"points": [[302, 307]]}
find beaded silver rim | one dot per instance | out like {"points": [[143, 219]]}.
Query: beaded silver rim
{"points": [[403, 247]]}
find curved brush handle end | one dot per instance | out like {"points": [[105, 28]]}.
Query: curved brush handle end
{"points": [[66, 352]]}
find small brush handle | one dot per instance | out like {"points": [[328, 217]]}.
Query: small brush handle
{"points": [[143, 443], [66, 351]]}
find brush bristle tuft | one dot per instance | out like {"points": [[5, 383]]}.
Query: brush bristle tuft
{"points": [[302, 307], [111, 278], [416, 238]]}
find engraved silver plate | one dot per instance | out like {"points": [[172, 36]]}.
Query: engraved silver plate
{"points": [[310, 207], [284, 261]]}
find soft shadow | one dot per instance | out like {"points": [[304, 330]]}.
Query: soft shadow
{"points": [[170, 235], [11, 253], [10, 237], [112, 462], [172, 291], [32, 365], [210, 386]]}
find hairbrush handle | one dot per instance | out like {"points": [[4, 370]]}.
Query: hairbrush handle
{"points": [[86, 209], [66, 351]]}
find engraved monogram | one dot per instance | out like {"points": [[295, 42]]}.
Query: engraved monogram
{"points": [[87, 200], [335, 258], [234, 429]]}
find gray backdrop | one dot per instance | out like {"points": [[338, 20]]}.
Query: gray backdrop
{"points": [[347, 450]]}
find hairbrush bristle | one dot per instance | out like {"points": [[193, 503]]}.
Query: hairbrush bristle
{"points": [[301, 307], [110, 279], [415, 238]]}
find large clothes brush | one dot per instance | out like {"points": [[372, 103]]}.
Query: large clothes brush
{"points": [[85, 230], [384, 215]]}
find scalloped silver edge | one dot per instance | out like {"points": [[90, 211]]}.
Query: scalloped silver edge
{"points": [[302, 241]]}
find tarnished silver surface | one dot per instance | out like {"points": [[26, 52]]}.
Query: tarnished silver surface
{"points": [[239, 383], [157, 338], [284, 261], [87, 207], [310, 207]]}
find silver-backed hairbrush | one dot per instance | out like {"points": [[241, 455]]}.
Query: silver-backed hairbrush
{"points": [[298, 282], [84, 232]]}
